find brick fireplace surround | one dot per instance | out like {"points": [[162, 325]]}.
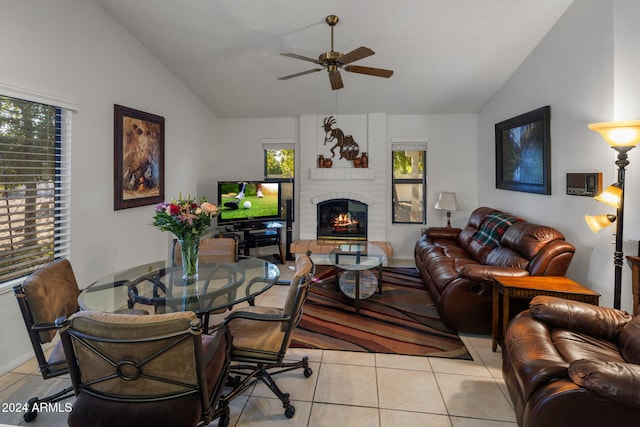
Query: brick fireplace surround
{"points": [[343, 180]]}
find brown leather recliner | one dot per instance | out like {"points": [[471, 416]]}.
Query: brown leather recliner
{"points": [[458, 265], [568, 363]]}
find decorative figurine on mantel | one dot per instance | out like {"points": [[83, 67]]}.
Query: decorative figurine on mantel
{"points": [[362, 161], [348, 147]]}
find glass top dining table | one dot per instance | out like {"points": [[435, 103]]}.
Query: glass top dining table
{"points": [[158, 287]]}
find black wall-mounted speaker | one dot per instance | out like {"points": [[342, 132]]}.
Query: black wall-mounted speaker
{"points": [[584, 184]]}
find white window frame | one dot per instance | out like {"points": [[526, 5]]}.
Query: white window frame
{"points": [[410, 144]]}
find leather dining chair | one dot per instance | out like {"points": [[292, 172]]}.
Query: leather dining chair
{"points": [[262, 336], [44, 296], [145, 370], [212, 249]]}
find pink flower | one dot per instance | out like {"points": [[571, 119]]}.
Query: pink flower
{"points": [[187, 217]]}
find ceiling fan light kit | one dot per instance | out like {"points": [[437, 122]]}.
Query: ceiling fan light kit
{"points": [[332, 61]]}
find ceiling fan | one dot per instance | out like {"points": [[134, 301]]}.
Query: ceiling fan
{"points": [[333, 61]]}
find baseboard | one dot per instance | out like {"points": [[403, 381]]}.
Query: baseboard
{"points": [[16, 363]]}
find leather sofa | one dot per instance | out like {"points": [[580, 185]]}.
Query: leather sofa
{"points": [[458, 265], [568, 363]]}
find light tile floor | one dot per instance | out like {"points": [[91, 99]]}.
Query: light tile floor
{"points": [[346, 388]]}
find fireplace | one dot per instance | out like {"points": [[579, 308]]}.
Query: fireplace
{"points": [[342, 219]]}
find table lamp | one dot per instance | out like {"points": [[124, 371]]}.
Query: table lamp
{"points": [[447, 202]]}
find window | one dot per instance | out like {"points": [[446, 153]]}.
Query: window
{"points": [[279, 166], [409, 184], [34, 186]]}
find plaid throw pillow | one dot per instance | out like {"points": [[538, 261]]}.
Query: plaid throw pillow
{"points": [[492, 229]]}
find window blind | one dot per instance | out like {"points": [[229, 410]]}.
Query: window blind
{"points": [[409, 144], [35, 172], [278, 144]]}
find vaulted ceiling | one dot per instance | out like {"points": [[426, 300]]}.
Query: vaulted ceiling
{"points": [[448, 56]]}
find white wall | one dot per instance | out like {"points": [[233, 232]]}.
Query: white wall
{"points": [[73, 49], [626, 15], [626, 106], [236, 153], [572, 70], [452, 152]]}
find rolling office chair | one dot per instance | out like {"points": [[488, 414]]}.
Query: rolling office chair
{"points": [[145, 370], [44, 296], [262, 336]]}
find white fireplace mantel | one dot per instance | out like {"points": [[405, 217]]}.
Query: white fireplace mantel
{"points": [[319, 174]]}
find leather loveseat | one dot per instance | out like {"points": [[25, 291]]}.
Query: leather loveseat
{"points": [[568, 363], [458, 265]]}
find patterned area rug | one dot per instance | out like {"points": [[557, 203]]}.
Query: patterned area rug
{"points": [[403, 320]]}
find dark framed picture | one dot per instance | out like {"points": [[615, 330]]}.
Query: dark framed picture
{"points": [[138, 158], [523, 152]]}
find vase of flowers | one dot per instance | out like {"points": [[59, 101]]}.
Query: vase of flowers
{"points": [[190, 250], [188, 220]]}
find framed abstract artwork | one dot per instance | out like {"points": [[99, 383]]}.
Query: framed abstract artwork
{"points": [[523, 152], [138, 158]]}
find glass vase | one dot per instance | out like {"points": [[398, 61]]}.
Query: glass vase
{"points": [[190, 249], [190, 300]]}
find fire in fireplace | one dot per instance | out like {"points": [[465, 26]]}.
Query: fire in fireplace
{"points": [[342, 219]]}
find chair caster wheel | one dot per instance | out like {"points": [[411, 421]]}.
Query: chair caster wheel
{"points": [[224, 421], [308, 372], [233, 381], [30, 416], [290, 411]]}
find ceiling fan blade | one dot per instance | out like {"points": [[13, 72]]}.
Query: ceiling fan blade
{"points": [[378, 72], [299, 74], [304, 58], [355, 55], [336, 80]]}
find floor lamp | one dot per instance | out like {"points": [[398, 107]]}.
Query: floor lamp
{"points": [[621, 136]]}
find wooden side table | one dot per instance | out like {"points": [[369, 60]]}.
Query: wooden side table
{"points": [[529, 287]]}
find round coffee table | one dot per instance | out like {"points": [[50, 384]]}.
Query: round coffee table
{"points": [[356, 260]]}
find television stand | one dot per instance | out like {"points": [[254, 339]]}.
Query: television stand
{"points": [[259, 234]]}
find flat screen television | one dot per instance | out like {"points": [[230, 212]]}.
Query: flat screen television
{"points": [[247, 201]]}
